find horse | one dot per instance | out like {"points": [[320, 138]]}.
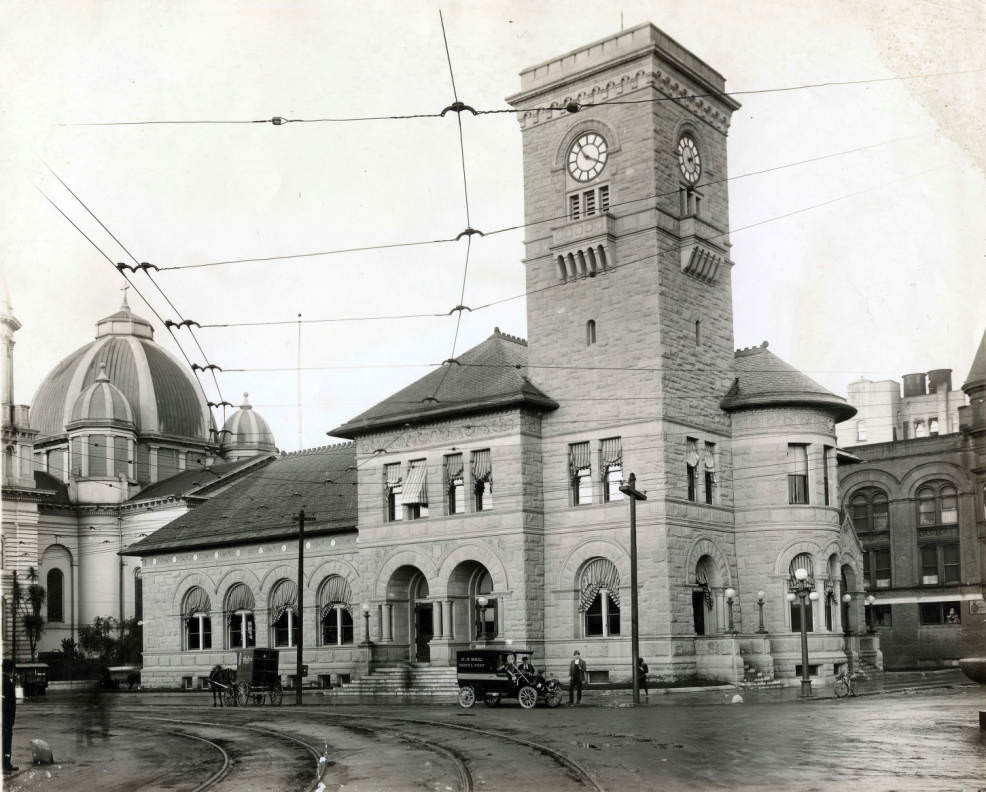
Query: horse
{"points": [[220, 680]]}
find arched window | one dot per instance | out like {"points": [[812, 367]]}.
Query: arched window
{"points": [[56, 596], [335, 615], [937, 504], [599, 600], [938, 538], [869, 508], [195, 615], [590, 332], [803, 561], [283, 615], [138, 595], [241, 627]]}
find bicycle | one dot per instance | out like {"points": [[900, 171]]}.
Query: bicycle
{"points": [[843, 685]]}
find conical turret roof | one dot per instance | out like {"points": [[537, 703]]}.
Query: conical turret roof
{"points": [[977, 374]]}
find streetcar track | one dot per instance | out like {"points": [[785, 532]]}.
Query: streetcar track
{"points": [[581, 775]]}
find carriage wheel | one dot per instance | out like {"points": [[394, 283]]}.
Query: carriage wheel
{"points": [[276, 694], [242, 694], [527, 696], [492, 700], [229, 696], [553, 698], [467, 696]]}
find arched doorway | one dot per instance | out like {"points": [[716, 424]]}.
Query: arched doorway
{"points": [[703, 599], [412, 613], [476, 611]]}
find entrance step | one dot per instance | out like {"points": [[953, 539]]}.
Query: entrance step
{"points": [[402, 681]]}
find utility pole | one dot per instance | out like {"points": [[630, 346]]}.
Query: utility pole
{"points": [[630, 490], [301, 606]]}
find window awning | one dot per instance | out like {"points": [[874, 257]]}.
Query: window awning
{"points": [[611, 451], [453, 467], [600, 573], [239, 598], [578, 457], [482, 466], [393, 473], [416, 487], [283, 598], [335, 591], [691, 453], [196, 601]]}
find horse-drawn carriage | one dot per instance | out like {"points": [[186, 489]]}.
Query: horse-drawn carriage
{"points": [[255, 679], [493, 675]]}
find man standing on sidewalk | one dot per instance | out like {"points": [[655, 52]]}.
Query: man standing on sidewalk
{"points": [[9, 711], [576, 676]]}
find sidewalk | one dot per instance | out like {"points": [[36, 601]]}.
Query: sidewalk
{"points": [[878, 683]]}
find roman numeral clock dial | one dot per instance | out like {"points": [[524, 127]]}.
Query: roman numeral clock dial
{"points": [[689, 160], [587, 157]]}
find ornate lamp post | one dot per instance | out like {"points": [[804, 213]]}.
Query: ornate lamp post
{"points": [[760, 601], [730, 596], [870, 626], [846, 599], [801, 589], [481, 603]]}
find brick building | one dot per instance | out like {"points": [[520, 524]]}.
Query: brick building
{"points": [[481, 503], [919, 508]]}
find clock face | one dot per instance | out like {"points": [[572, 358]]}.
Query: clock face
{"points": [[587, 157], [689, 159]]}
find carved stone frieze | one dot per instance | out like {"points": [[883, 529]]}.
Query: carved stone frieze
{"points": [[631, 80], [448, 432]]}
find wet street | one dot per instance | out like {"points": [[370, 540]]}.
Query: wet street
{"points": [[911, 739]]}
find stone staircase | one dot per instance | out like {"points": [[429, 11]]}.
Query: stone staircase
{"points": [[415, 681]]}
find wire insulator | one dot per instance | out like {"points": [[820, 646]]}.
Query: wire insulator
{"points": [[468, 233], [278, 120], [146, 266], [219, 404], [450, 361], [430, 400], [210, 367], [460, 308], [458, 107], [573, 107]]}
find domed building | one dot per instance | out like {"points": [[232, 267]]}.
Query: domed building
{"points": [[246, 433], [117, 440]]}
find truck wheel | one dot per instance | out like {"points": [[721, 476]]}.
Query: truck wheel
{"points": [[527, 696], [467, 697]]}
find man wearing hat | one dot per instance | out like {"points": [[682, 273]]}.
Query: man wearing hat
{"points": [[576, 676]]}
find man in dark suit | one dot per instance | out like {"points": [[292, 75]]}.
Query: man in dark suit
{"points": [[9, 713]]}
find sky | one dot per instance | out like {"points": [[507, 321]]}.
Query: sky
{"points": [[864, 256]]}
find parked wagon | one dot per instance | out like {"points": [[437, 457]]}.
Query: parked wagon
{"points": [[257, 677], [492, 675]]}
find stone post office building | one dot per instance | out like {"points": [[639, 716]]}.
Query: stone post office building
{"points": [[481, 503]]}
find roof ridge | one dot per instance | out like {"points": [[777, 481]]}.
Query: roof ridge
{"points": [[319, 449], [516, 339], [753, 350]]}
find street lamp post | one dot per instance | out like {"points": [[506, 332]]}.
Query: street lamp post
{"points": [[481, 603], [730, 596], [630, 490], [760, 600], [870, 626], [801, 589], [846, 599]]}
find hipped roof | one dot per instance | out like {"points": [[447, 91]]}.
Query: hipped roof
{"points": [[264, 504], [491, 375]]}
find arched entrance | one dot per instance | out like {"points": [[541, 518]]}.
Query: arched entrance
{"points": [[412, 613], [476, 609], [703, 598]]}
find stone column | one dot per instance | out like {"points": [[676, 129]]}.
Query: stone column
{"points": [[448, 629], [387, 622]]}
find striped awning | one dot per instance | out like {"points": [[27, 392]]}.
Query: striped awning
{"points": [[283, 598], [691, 452], [239, 598], [482, 466], [453, 467], [393, 474], [578, 457], [600, 573], [416, 487], [196, 601], [335, 591], [611, 451]]}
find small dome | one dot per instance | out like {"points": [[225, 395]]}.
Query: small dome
{"points": [[246, 433], [101, 404]]}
